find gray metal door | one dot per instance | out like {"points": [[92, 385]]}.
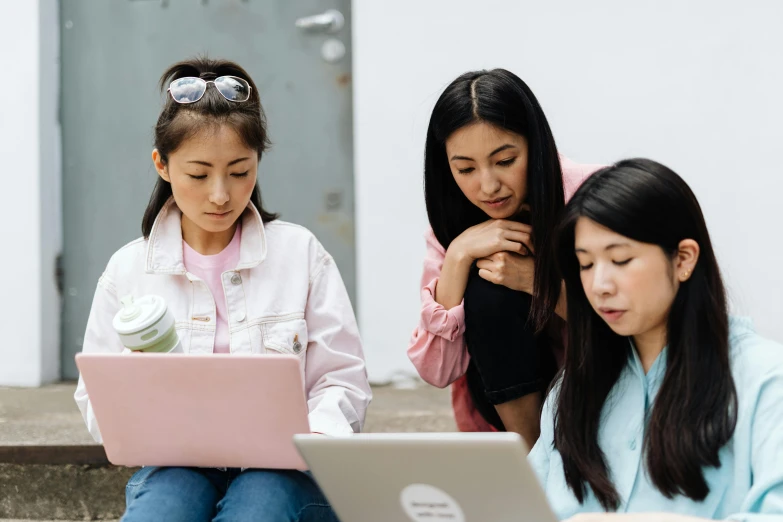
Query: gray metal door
{"points": [[114, 51]]}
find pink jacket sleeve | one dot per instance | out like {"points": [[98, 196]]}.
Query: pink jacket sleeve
{"points": [[437, 348], [574, 174]]}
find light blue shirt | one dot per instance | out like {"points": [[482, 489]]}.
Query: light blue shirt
{"points": [[747, 487]]}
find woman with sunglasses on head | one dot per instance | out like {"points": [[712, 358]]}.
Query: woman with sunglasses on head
{"points": [[224, 265], [665, 405], [494, 188]]}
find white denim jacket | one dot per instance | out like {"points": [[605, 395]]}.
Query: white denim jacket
{"points": [[285, 296]]}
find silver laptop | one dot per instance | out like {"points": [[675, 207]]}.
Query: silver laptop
{"points": [[426, 477]]}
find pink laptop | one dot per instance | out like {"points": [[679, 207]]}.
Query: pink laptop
{"points": [[212, 410]]}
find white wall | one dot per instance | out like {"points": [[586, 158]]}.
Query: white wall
{"points": [[29, 146], [695, 85]]}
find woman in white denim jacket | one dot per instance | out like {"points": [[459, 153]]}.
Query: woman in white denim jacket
{"points": [[281, 293]]}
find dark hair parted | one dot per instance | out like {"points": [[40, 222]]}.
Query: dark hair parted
{"points": [[499, 98], [694, 413]]}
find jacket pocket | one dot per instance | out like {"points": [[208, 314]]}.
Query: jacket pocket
{"points": [[287, 337]]}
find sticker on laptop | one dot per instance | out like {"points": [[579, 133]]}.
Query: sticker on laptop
{"points": [[425, 503]]}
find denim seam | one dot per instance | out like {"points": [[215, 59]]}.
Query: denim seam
{"points": [[142, 481], [312, 504]]}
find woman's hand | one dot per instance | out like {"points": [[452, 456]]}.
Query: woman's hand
{"points": [[509, 269], [477, 242], [491, 237]]}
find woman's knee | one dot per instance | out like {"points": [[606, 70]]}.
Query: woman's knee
{"points": [[177, 494], [486, 299], [316, 513], [284, 495]]}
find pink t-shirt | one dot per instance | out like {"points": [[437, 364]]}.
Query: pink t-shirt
{"points": [[210, 269]]}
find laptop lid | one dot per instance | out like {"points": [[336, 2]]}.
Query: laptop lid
{"points": [[210, 410], [448, 477]]}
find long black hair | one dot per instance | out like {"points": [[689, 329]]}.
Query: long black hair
{"points": [[502, 99], [694, 414], [178, 122]]}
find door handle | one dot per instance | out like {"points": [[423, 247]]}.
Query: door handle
{"points": [[329, 21]]}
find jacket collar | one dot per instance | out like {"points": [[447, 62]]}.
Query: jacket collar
{"points": [[164, 247]]}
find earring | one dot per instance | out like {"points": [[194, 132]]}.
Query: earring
{"points": [[687, 274]]}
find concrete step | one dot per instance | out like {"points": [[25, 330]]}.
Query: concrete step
{"points": [[51, 470]]}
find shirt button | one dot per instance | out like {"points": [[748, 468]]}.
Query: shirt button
{"points": [[236, 279], [632, 444], [239, 317]]}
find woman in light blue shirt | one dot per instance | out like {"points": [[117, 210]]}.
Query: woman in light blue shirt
{"points": [[665, 406]]}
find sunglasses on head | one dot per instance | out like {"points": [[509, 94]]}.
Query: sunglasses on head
{"points": [[191, 89]]}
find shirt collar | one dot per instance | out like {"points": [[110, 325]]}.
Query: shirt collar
{"points": [[164, 247]]}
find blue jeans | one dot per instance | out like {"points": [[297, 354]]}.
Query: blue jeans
{"points": [[205, 494]]}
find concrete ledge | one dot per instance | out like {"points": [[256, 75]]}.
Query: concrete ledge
{"points": [[62, 492], [91, 455]]}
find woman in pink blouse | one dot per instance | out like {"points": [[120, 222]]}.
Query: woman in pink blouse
{"points": [[494, 188]]}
